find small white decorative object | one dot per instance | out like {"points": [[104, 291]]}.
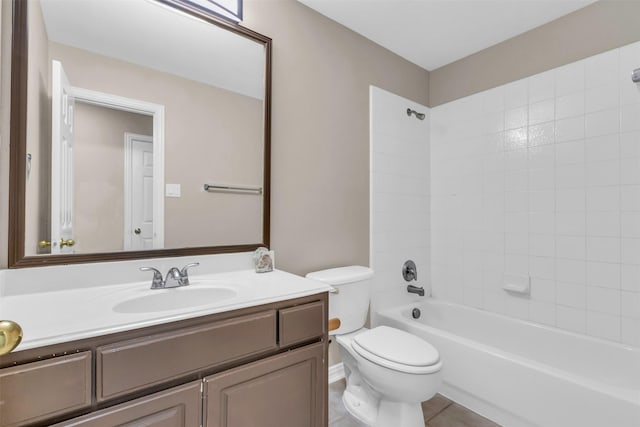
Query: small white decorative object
{"points": [[263, 260]]}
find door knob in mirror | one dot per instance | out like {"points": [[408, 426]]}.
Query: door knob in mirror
{"points": [[68, 242]]}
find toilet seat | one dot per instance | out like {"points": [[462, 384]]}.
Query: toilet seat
{"points": [[397, 350]]}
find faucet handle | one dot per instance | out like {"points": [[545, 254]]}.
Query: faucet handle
{"points": [[157, 282], [184, 275], [409, 271]]}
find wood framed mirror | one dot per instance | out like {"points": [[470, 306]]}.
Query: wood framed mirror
{"points": [[139, 129]]}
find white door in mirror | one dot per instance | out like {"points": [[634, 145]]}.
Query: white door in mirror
{"points": [[62, 111], [139, 210]]}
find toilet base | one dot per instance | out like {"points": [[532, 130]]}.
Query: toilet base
{"points": [[362, 407], [399, 414], [367, 409]]}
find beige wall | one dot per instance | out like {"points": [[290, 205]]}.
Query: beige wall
{"points": [[99, 174], [222, 143], [320, 133], [37, 224], [599, 27]]}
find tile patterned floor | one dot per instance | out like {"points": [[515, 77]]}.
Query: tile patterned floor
{"points": [[438, 412]]}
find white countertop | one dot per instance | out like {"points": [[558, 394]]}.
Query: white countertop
{"points": [[53, 317]]}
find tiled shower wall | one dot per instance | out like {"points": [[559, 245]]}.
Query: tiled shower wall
{"points": [[540, 178], [399, 197]]}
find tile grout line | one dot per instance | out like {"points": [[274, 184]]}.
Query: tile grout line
{"points": [[451, 402]]}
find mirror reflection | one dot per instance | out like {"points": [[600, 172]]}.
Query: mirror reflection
{"points": [[133, 107]]}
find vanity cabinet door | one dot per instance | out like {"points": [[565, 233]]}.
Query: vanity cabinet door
{"points": [[176, 407], [285, 390]]}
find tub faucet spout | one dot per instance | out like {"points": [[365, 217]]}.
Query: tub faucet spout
{"points": [[415, 290]]}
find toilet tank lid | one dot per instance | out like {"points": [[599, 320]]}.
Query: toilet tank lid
{"points": [[341, 275]]}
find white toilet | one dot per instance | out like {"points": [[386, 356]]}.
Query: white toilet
{"points": [[389, 372]]}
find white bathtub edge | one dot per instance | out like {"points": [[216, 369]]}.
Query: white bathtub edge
{"points": [[470, 383]]}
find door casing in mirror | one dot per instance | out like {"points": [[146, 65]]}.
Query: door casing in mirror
{"points": [[18, 152]]}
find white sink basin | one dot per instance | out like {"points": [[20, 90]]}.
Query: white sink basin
{"points": [[175, 298]]}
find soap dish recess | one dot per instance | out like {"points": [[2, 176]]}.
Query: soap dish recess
{"points": [[520, 285]]}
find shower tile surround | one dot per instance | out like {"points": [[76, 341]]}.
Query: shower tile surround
{"points": [[540, 178], [399, 197]]}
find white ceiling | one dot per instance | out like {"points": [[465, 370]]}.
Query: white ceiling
{"points": [[158, 37], [433, 33]]}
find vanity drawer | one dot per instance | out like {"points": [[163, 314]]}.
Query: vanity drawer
{"points": [[39, 390], [136, 364], [301, 323]]}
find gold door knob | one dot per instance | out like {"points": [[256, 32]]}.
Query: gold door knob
{"points": [[44, 243], [69, 242], [10, 336]]}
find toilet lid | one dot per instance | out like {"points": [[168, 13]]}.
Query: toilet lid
{"points": [[396, 349]]}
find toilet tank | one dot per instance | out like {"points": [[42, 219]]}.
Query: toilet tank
{"points": [[351, 301]]}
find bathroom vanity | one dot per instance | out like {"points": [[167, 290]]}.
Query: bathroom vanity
{"points": [[257, 359], [234, 348]]}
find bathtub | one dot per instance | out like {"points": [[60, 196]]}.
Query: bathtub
{"points": [[519, 373]]}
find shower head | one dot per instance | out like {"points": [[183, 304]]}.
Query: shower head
{"points": [[419, 116]]}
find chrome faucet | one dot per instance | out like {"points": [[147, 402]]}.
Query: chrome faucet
{"points": [[415, 290], [184, 275], [410, 272], [174, 277]]}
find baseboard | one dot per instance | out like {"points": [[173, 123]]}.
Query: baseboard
{"points": [[336, 373]]}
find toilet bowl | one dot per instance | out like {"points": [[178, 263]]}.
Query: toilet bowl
{"points": [[388, 372]]}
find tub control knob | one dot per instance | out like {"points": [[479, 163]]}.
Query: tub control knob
{"points": [[409, 271], [415, 313]]}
